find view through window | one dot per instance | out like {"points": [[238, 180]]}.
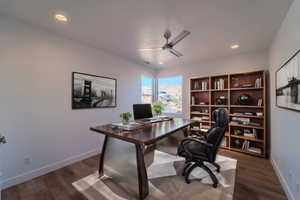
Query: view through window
{"points": [[147, 89], [170, 93]]}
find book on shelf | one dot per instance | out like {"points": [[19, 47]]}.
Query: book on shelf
{"points": [[258, 83], [254, 150], [240, 120], [249, 135], [204, 85], [246, 145], [219, 84], [204, 118]]}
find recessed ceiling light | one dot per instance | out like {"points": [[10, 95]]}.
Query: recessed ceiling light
{"points": [[235, 46], [161, 63], [61, 17]]}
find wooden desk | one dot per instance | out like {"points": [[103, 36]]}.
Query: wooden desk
{"points": [[124, 153]]}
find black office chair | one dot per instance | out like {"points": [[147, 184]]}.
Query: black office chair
{"points": [[197, 150]]}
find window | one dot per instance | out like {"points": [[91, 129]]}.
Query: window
{"points": [[170, 93], [147, 89]]}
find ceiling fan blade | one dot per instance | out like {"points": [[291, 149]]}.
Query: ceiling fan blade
{"points": [[175, 52], [151, 49], [179, 37]]}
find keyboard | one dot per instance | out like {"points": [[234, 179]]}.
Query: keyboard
{"points": [[155, 119]]}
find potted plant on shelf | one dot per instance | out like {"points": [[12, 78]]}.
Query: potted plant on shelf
{"points": [[125, 117], [158, 108]]}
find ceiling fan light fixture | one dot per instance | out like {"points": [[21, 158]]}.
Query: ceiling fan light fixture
{"points": [[235, 46], [60, 17]]}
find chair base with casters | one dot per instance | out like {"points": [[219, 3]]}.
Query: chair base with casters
{"points": [[201, 149], [190, 166]]}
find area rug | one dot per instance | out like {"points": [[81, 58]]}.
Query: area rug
{"points": [[166, 182]]}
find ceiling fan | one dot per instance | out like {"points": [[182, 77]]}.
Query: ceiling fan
{"points": [[169, 45]]}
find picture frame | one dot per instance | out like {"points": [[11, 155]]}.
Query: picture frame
{"points": [[287, 84], [92, 91]]}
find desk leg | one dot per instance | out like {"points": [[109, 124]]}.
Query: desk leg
{"points": [[125, 163], [186, 132], [101, 162], [142, 172]]}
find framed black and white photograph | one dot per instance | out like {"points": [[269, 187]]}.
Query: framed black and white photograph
{"points": [[288, 84], [91, 91]]}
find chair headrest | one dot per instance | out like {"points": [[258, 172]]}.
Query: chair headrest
{"points": [[220, 116]]}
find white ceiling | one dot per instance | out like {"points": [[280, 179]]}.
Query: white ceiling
{"points": [[124, 26]]}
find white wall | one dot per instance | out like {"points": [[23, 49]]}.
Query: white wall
{"points": [[239, 63], [35, 92], [285, 126]]}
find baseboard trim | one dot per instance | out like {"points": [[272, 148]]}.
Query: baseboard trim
{"points": [[46, 169], [282, 180]]}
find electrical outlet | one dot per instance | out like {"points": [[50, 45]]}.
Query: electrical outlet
{"points": [[27, 160]]}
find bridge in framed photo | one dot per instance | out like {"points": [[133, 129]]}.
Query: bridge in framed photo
{"points": [[91, 91], [288, 84]]}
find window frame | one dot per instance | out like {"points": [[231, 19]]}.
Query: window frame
{"points": [[152, 88], [157, 93]]}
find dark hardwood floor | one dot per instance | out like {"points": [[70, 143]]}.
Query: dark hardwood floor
{"points": [[256, 180]]}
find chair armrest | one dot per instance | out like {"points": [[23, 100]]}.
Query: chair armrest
{"points": [[196, 139], [199, 133], [185, 141]]}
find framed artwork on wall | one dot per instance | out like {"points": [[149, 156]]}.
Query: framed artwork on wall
{"points": [[288, 84], [91, 91]]}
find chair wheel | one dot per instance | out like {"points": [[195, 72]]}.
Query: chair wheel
{"points": [[187, 181], [218, 170], [215, 185]]}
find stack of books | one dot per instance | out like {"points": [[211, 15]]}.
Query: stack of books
{"points": [[246, 146], [204, 118], [220, 84], [127, 127], [204, 85], [240, 120], [248, 133], [254, 150], [258, 83]]}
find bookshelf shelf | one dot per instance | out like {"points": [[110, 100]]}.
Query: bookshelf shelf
{"points": [[242, 106], [199, 105], [199, 90], [201, 121], [233, 89], [247, 152], [247, 138], [199, 113], [246, 116], [220, 106], [246, 126], [227, 88], [216, 90]]}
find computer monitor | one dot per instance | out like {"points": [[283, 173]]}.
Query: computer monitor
{"points": [[142, 111]]}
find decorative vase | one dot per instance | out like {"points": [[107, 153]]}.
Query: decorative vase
{"points": [[125, 121]]}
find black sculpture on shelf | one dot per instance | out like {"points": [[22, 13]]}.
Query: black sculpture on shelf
{"points": [[200, 149], [221, 100], [244, 99]]}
